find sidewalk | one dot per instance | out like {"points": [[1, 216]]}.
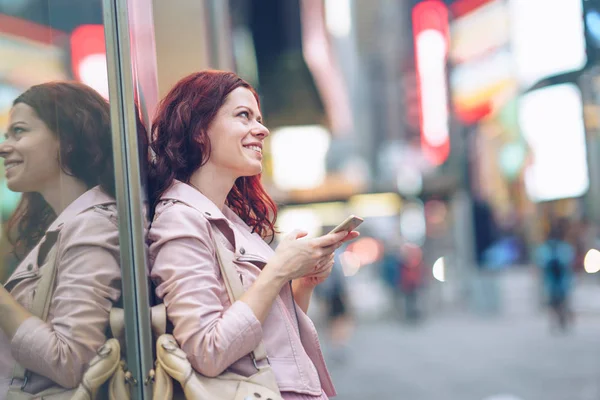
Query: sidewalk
{"points": [[463, 358], [457, 355]]}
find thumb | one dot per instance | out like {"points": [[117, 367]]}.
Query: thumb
{"points": [[296, 234]]}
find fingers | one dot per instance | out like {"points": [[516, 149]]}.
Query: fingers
{"points": [[325, 263], [351, 235], [327, 242], [332, 248], [296, 234], [324, 271], [330, 239]]}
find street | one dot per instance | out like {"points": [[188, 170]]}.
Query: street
{"points": [[459, 356]]}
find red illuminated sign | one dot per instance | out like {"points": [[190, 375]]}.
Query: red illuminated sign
{"points": [[431, 37], [88, 57]]}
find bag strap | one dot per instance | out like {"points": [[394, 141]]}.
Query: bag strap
{"points": [[45, 287], [235, 290], [43, 296]]}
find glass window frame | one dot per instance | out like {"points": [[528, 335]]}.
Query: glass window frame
{"points": [[130, 198]]}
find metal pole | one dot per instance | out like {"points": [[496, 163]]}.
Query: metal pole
{"points": [[129, 197], [220, 35]]}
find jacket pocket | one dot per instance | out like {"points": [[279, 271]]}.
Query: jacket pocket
{"points": [[27, 288], [252, 259]]}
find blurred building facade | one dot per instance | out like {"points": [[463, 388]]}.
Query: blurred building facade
{"points": [[349, 88]]}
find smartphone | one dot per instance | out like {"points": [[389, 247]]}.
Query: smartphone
{"points": [[349, 224]]}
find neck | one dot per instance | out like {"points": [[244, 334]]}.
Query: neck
{"points": [[62, 193], [213, 183]]}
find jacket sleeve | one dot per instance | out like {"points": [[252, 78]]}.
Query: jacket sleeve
{"points": [[88, 282], [213, 334]]}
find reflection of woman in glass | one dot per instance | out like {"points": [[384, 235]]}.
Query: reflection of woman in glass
{"points": [[208, 137], [57, 152]]}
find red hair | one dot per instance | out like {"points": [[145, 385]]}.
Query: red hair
{"points": [[181, 145]]}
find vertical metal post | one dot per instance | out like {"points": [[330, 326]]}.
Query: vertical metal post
{"points": [[129, 195], [221, 45]]}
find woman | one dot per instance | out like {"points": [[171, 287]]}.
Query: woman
{"points": [[208, 138], [57, 152]]}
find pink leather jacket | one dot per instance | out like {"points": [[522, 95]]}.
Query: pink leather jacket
{"points": [[88, 282], [215, 334]]}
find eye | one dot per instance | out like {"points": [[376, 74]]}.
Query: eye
{"points": [[16, 132], [244, 114]]}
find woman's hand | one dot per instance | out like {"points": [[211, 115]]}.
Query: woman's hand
{"points": [[323, 270], [318, 276], [293, 258], [296, 257]]}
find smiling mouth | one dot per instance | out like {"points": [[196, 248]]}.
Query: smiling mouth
{"points": [[255, 148], [11, 165]]}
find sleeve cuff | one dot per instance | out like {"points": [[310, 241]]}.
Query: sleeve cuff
{"points": [[23, 342], [254, 326]]}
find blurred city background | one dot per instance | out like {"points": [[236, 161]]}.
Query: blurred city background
{"points": [[465, 133]]}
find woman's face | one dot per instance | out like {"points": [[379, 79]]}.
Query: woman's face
{"points": [[30, 151], [237, 134]]}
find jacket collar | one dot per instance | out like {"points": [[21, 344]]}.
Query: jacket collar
{"points": [[194, 198], [92, 198]]}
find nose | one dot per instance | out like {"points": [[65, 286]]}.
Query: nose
{"points": [[5, 149], [260, 131]]}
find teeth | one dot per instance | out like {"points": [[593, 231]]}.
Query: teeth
{"points": [[11, 165], [255, 148]]}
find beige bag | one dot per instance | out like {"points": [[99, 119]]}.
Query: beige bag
{"points": [[118, 388], [101, 368], [170, 359]]}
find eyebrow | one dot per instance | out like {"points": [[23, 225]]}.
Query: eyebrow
{"points": [[12, 126], [258, 116]]}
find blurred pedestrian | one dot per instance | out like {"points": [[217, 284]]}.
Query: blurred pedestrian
{"points": [[555, 257], [391, 269], [485, 229], [411, 284], [411, 281]]}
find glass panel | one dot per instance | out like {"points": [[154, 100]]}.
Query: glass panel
{"points": [[133, 90], [59, 247]]}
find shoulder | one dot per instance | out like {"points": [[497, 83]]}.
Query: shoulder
{"points": [[173, 219], [93, 228], [97, 221]]}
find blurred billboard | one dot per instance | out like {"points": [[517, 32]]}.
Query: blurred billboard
{"points": [[482, 77], [551, 121]]}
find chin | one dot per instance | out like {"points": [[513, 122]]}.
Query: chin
{"points": [[19, 185], [15, 186], [253, 171]]}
